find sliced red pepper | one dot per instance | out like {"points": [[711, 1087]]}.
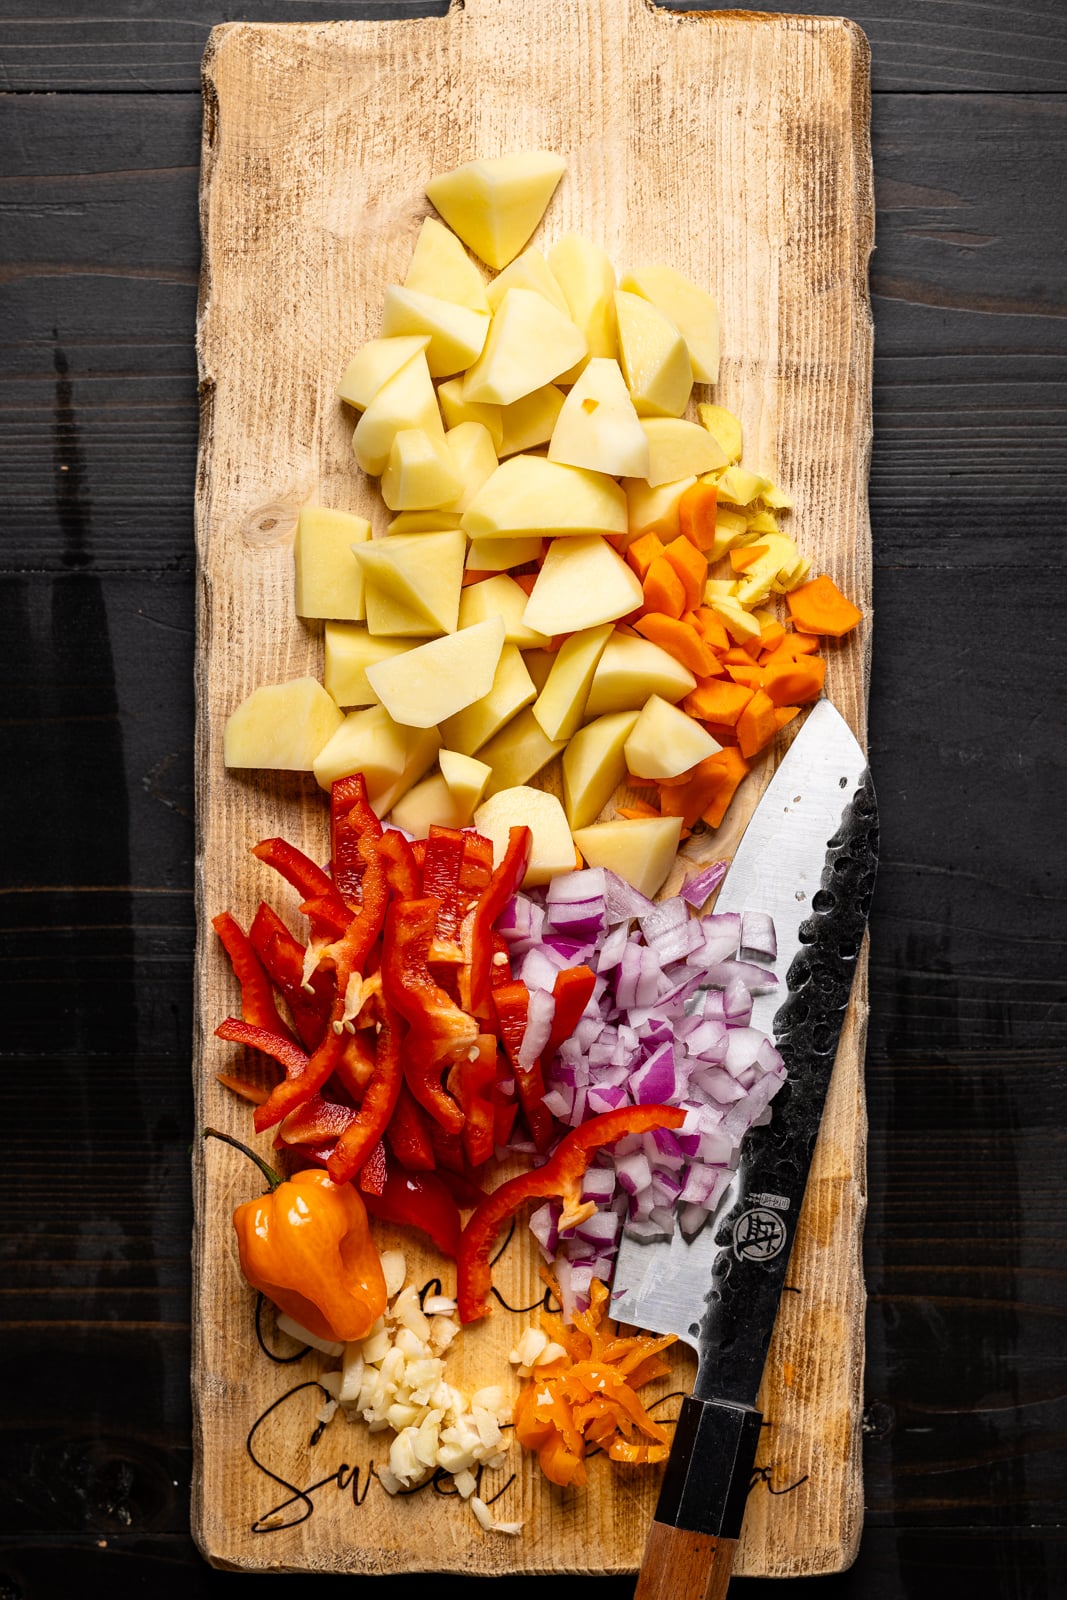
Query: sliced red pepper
{"points": [[500, 962], [491, 902], [374, 1172], [440, 877], [477, 867], [408, 1134], [571, 992], [317, 1122], [372, 1115], [419, 1200], [252, 1092], [351, 819], [315, 886], [401, 873], [511, 1003], [349, 953], [559, 1178], [257, 997], [461, 1185], [472, 1081], [282, 956], [439, 1031], [279, 1045]]}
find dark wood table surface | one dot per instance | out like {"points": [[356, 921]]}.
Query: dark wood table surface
{"points": [[966, 1416]]}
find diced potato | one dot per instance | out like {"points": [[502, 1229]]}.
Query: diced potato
{"points": [[474, 459], [406, 400], [530, 421], [495, 204], [665, 742], [724, 426], [499, 596], [678, 448], [517, 752], [655, 510], [374, 364], [420, 474], [560, 706], [422, 686], [528, 494], [654, 358], [582, 582], [440, 266], [349, 650], [598, 427], [594, 766], [512, 689], [391, 758], [631, 669], [587, 278], [457, 334], [528, 271], [552, 848], [436, 520], [281, 725], [497, 555], [692, 310], [422, 571], [641, 850], [466, 778], [456, 410], [529, 344], [389, 618], [428, 804], [329, 581]]}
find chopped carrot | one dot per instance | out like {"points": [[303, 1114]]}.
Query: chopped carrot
{"points": [[690, 800], [756, 725], [525, 581], [663, 589], [820, 607], [785, 714], [643, 552], [737, 656], [771, 635], [696, 514], [691, 567], [741, 559], [711, 627], [794, 683], [470, 577], [716, 701], [680, 640], [751, 675], [732, 768], [636, 808], [803, 643]]}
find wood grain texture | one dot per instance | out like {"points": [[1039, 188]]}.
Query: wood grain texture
{"points": [[680, 1565], [745, 143]]}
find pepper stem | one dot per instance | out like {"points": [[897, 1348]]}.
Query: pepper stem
{"points": [[273, 1178]]}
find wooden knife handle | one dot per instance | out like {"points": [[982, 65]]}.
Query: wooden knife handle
{"points": [[678, 1563]]}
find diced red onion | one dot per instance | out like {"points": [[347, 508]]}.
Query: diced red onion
{"points": [[540, 1012], [702, 885]]}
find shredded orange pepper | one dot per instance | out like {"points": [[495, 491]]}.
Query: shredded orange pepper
{"points": [[589, 1399]]}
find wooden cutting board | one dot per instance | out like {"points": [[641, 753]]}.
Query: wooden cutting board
{"points": [[734, 147]]}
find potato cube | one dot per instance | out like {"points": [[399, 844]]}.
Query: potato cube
{"points": [[665, 742], [654, 358], [512, 689], [420, 474], [678, 448], [629, 670], [560, 706], [594, 766], [495, 204], [642, 850], [349, 650], [282, 726], [440, 266], [329, 581], [582, 582], [517, 752], [527, 494], [374, 364], [552, 849], [425, 685], [529, 344], [499, 596]]}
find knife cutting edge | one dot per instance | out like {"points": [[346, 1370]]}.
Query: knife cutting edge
{"points": [[808, 857]]}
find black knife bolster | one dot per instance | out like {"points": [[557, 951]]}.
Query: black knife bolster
{"points": [[709, 1471]]}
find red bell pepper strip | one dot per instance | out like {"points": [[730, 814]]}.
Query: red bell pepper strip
{"points": [[419, 1200], [491, 902], [374, 1172], [571, 992], [282, 956], [355, 1145], [257, 997], [314, 885], [351, 819], [560, 1178], [463, 1188], [439, 1031], [472, 1081], [397, 859], [317, 1122], [477, 867], [252, 1092], [440, 878], [300, 1084], [511, 1003], [349, 954], [408, 1134], [279, 1045]]}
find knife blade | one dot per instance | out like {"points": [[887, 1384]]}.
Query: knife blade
{"points": [[808, 857]]}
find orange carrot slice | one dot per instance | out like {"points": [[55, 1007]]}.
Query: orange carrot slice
{"points": [[696, 514], [820, 607]]}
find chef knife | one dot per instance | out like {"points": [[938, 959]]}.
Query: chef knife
{"points": [[808, 857]]}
